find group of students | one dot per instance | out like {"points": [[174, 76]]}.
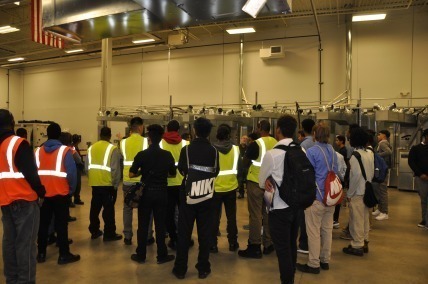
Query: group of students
{"points": [[193, 179]]}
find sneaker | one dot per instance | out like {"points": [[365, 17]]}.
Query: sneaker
{"points": [[299, 250], [246, 227], [96, 235], [137, 258], [72, 205], [307, 269], [166, 259], [382, 216], [252, 251], [79, 202], [203, 274], [127, 242], [353, 251], [71, 219], [41, 257], [68, 258], [240, 196], [178, 274], [346, 236], [112, 238], [324, 265], [336, 225], [268, 250], [214, 249], [233, 247], [366, 246], [422, 224], [377, 212]]}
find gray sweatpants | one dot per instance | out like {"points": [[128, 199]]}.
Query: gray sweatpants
{"points": [[381, 193], [128, 215], [422, 188]]}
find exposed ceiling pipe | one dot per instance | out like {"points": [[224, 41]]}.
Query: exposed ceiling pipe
{"points": [[320, 83]]}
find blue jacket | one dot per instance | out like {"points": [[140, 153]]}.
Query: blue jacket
{"points": [[316, 157], [69, 164]]}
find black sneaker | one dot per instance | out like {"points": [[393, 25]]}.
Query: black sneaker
{"points": [[307, 269], [240, 196], [96, 235], [233, 247], [268, 250], [68, 258], [203, 274], [177, 274], [41, 257], [166, 259], [150, 241], [252, 251], [79, 202], [366, 247], [422, 224], [214, 249], [71, 219], [172, 244], [353, 251], [324, 265], [112, 238], [137, 258], [72, 205], [127, 242]]}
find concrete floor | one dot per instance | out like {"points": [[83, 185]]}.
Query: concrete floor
{"points": [[398, 254]]}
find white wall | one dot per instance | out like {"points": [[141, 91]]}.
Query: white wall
{"points": [[3, 88], [389, 57]]}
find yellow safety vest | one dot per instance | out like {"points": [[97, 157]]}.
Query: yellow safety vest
{"points": [[130, 148], [265, 144], [175, 150], [227, 177], [99, 159]]}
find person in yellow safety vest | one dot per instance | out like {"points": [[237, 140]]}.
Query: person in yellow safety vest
{"points": [[129, 148], [256, 205], [226, 184], [173, 143], [104, 177]]}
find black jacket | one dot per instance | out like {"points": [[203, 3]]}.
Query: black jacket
{"points": [[418, 159], [25, 163]]}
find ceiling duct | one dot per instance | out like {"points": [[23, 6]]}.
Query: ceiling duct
{"points": [[98, 19]]}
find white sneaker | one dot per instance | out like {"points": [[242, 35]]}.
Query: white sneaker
{"points": [[382, 216], [299, 250], [377, 212], [336, 225]]}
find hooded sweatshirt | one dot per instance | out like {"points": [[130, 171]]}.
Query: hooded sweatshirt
{"points": [[69, 164], [26, 163], [172, 137], [225, 147]]}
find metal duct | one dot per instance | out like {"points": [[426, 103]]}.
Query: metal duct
{"points": [[349, 57]]}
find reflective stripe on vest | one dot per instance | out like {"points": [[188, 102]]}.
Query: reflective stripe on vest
{"points": [[127, 162], [183, 143], [9, 157], [104, 166], [57, 172], [263, 146], [234, 169]]}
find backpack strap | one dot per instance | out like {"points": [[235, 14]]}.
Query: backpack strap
{"points": [[325, 157], [358, 157]]}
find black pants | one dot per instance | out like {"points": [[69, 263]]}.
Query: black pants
{"points": [[229, 200], [336, 212], [173, 201], [78, 186], [58, 206], [303, 237], [156, 201], [202, 213], [283, 224], [103, 197]]}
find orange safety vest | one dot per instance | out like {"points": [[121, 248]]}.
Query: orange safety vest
{"points": [[52, 170], [13, 185]]}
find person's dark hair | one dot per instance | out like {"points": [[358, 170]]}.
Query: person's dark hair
{"points": [[287, 125], [155, 132], [359, 137], [173, 125], [301, 133], [254, 136], [341, 138], [264, 125], [76, 139], [54, 131], [371, 136], [386, 132], [135, 123], [202, 127], [185, 136], [223, 132], [105, 133], [6, 119], [65, 138], [307, 125], [352, 126], [22, 132]]}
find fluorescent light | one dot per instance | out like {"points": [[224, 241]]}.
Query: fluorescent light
{"points": [[241, 31], [16, 59], [369, 17], [17, 3], [73, 50], [7, 29], [253, 7], [137, 41]]}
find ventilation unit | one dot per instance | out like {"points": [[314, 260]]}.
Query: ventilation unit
{"points": [[272, 52]]}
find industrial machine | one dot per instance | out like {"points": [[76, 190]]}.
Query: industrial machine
{"points": [[36, 131]]}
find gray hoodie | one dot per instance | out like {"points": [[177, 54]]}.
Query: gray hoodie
{"points": [[384, 150]]}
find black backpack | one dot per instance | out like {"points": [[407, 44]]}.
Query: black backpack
{"points": [[298, 188]]}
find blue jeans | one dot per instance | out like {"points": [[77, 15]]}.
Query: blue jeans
{"points": [[20, 226]]}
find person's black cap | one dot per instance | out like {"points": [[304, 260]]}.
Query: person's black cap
{"points": [[386, 132]]}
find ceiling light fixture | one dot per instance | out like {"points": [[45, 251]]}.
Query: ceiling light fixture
{"points": [[17, 3], [146, 40], [8, 29], [235, 31], [16, 59], [73, 50], [253, 7], [369, 17]]}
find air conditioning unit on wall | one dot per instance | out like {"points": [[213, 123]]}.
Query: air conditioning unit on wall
{"points": [[272, 52]]}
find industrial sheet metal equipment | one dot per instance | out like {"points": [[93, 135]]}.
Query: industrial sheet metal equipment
{"points": [[36, 131]]}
